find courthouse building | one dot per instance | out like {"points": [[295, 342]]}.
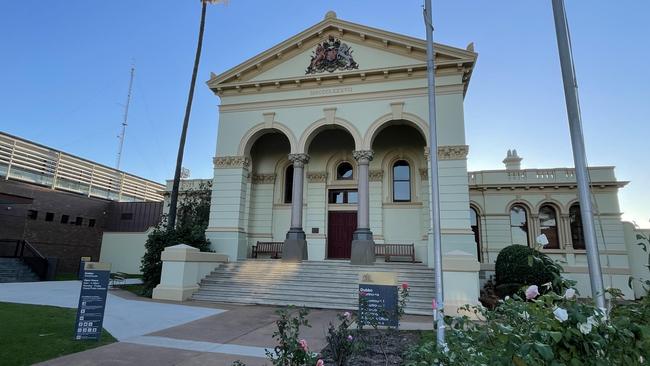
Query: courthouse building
{"points": [[323, 145]]}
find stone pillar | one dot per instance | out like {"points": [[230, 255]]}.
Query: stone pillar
{"points": [[227, 229], [295, 245], [363, 247]]}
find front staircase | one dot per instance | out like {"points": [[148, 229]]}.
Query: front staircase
{"points": [[14, 270], [327, 284]]}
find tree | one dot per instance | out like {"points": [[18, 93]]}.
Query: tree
{"points": [[188, 108], [193, 216]]}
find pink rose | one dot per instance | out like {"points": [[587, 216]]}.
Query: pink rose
{"points": [[532, 292], [320, 363], [303, 345], [347, 314], [350, 338], [405, 286]]}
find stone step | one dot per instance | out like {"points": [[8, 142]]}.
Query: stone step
{"points": [[14, 270], [422, 308], [299, 283], [328, 284]]}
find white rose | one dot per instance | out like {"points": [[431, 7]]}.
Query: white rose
{"points": [[524, 315], [585, 328], [570, 293], [561, 314]]}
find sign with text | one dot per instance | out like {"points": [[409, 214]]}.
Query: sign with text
{"points": [[80, 275], [92, 301], [378, 298]]}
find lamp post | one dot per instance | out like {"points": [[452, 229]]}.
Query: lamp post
{"points": [[434, 197]]}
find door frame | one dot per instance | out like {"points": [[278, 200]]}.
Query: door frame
{"points": [[327, 248]]}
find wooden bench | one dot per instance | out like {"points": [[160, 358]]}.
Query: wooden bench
{"points": [[268, 247], [395, 250]]}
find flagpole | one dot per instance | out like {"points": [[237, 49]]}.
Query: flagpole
{"points": [[434, 197], [578, 145]]}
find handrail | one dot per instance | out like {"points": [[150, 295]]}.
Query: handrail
{"points": [[33, 258], [32, 249]]}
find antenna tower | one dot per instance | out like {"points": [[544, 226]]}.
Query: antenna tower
{"points": [[126, 115]]}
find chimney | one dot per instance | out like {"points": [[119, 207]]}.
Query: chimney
{"points": [[512, 160]]}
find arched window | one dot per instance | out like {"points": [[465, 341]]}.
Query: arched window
{"points": [[519, 225], [575, 223], [288, 184], [473, 219], [548, 226], [401, 181], [344, 171]]}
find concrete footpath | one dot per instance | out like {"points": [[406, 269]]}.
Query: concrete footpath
{"points": [[161, 333]]}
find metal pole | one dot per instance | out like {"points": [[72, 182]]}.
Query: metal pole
{"points": [[578, 145], [126, 116], [434, 197]]}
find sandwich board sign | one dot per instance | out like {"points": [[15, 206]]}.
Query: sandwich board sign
{"points": [[378, 298], [92, 301]]}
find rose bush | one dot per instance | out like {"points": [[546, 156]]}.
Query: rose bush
{"points": [[548, 329]]}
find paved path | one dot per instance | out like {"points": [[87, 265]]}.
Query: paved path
{"points": [[124, 318], [162, 333]]}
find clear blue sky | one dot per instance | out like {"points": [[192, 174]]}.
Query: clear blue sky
{"points": [[65, 69]]}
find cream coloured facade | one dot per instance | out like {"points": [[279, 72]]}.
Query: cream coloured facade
{"points": [[331, 149]]}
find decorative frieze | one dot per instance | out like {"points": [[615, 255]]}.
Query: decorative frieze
{"points": [[376, 175], [316, 177], [449, 152], [263, 178], [228, 162], [299, 160], [363, 156]]}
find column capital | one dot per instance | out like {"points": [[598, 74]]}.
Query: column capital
{"points": [[299, 160], [363, 156]]}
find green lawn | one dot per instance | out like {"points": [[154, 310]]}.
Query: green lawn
{"points": [[35, 333], [66, 277]]}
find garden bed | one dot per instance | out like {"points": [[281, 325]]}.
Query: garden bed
{"points": [[380, 347]]}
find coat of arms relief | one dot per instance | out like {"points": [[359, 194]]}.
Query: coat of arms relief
{"points": [[331, 55]]}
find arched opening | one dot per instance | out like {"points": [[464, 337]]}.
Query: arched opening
{"points": [[288, 183], [330, 152], [519, 225], [575, 223], [401, 181], [267, 185], [344, 171], [548, 226], [401, 148], [474, 224]]}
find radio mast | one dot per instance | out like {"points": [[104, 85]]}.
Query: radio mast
{"points": [[126, 115]]}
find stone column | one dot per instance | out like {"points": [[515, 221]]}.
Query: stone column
{"points": [[295, 245], [363, 247]]}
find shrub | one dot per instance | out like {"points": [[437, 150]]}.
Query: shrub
{"points": [[519, 265], [342, 343], [547, 330], [291, 351], [192, 220]]}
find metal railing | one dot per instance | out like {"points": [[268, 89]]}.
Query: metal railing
{"points": [[23, 250], [29, 162]]}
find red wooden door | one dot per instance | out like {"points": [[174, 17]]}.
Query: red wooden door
{"points": [[340, 226]]}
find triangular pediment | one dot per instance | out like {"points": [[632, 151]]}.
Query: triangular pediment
{"points": [[371, 49]]}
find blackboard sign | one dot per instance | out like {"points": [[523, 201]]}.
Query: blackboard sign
{"points": [[92, 301], [378, 298]]}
